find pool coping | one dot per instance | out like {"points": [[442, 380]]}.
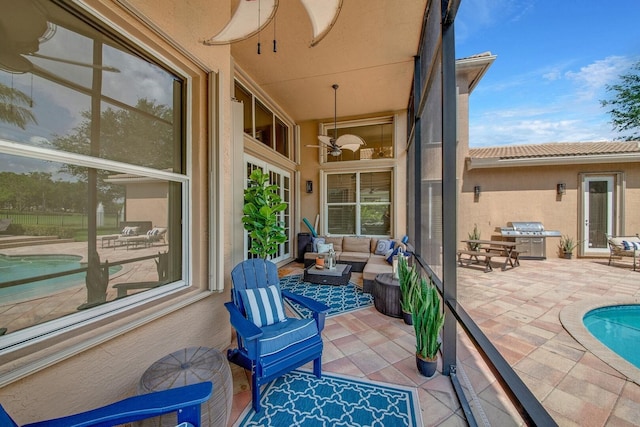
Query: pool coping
{"points": [[571, 319]]}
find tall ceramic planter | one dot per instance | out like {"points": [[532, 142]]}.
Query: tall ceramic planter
{"points": [[426, 368], [407, 317]]}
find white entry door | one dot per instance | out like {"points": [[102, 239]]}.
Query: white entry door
{"points": [[597, 213]]}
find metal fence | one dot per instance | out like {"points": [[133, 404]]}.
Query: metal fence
{"points": [[57, 219]]}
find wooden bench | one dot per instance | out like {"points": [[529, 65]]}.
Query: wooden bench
{"points": [[474, 255]]}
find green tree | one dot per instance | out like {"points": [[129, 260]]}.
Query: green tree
{"points": [[13, 107], [625, 104]]}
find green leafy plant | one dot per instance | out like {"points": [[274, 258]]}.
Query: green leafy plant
{"points": [[428, 320], [567, 244], [262, 205], [409, 279], [474, 235]]}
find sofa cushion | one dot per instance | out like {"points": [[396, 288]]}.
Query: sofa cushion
{"points": [[337, 242], [353, 257], [282, 335], [377, 265], [630, 245], [356, 244]]}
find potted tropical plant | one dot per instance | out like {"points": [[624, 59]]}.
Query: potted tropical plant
{"points": [[408, 279], [474, 235], [566, 246], [428, 320], [261, 219]]}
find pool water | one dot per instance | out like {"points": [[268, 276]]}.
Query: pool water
{"points": [[617, 327], [25, 266]]}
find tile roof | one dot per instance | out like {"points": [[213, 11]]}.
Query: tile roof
{"points": [[554, 149]]}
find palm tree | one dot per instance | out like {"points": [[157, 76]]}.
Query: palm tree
{"points": [[13, 107]]}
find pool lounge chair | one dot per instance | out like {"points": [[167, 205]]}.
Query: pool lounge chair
{"points": [[624, 246]]}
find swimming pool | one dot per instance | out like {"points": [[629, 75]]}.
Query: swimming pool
{"points": [[617, 327], [26, 266]]}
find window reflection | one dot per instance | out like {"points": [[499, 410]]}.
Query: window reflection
{"points": [[67, 86]]}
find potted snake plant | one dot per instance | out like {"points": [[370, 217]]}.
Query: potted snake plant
{"points": [[428, 320], [408, 279]]}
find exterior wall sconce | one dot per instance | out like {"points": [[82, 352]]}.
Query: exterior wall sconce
{"points": [[561, 188], [476, 191], [309, 186]]}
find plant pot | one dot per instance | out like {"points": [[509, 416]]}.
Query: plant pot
{"points": [[568, 255], [408, 319], [426, 368]]}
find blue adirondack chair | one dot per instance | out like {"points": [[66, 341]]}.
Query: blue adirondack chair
{"points": [[185, 401], [269, 343]]}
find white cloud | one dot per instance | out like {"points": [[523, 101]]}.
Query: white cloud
{"points": [[592, 79]]}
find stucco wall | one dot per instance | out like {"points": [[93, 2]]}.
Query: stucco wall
{"points": [[529, 194]]}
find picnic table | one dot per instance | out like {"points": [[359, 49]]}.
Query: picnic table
{"points": [[488, 249]]}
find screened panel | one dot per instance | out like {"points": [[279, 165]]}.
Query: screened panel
{"points": [[242, 95]]}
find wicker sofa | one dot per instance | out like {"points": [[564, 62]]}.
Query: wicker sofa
{"points": [[624, 246], [360, 253]]}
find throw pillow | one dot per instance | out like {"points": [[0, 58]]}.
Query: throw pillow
{"points": [[396, 251], [323, 248], [263, 305], [315, 241], [383, 246]]}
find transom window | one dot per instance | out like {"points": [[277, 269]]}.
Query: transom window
{"points": [[378, 135], [92, 163], [262, 124], [359, 203]]}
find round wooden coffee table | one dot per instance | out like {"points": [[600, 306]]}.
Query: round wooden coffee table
{"points": [[386, 295]]}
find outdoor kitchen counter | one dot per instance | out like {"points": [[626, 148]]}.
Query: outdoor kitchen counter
{"points": [[509, 248]]}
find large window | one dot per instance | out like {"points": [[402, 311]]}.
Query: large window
{"points": [[359, 203], [93, 177]]}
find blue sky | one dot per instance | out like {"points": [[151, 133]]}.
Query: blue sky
{"points": [[554, 58]]}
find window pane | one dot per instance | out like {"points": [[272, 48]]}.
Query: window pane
{"points": [[54, 200], [375, 187], [244, 96], [264, 124], [375, 219], [341, 188], [282, 138], [342, 219]]}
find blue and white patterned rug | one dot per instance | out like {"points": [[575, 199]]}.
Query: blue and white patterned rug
{"points": [[300, 399], [341, 299]]}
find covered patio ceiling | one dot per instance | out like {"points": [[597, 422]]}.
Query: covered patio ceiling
{"points": [[368, 53]]}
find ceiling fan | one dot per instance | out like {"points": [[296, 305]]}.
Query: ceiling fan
{"points": [[336, 144]]}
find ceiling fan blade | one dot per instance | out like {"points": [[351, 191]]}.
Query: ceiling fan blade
{"points": [[326, 140], [349, 140], [352, 147], [315, 146]]}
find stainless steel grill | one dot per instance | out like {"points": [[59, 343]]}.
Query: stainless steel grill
{"points": [[530, 237]]}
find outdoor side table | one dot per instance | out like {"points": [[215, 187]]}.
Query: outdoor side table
{"points": [[190, 366], [386, 295]]}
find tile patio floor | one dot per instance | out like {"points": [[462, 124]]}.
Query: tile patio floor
{"points": [[519, 311]]}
